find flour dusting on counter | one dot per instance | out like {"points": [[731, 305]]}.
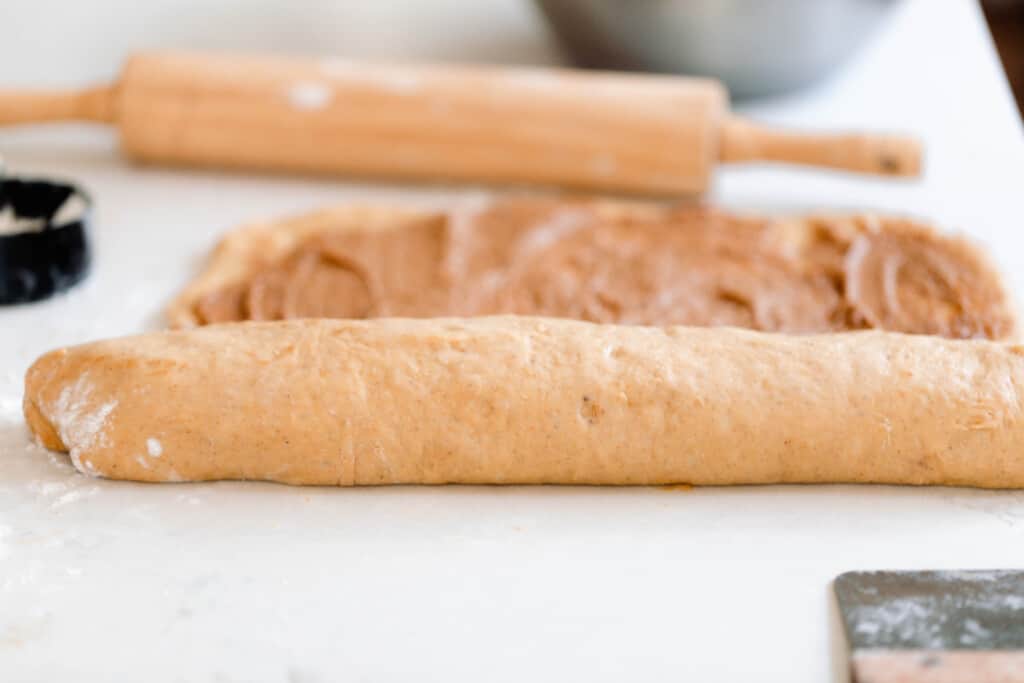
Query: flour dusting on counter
{"points": [[74, 495], [10, 405]]}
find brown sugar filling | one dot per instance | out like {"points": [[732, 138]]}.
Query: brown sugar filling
{"points": [[689, 266]]}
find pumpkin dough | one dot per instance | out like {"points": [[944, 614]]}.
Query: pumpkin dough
{"points": [[527, 400]]}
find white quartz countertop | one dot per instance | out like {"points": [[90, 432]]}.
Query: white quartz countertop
{"points": [[104, 581]]}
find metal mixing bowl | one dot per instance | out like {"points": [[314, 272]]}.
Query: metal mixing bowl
{"points": [[756, 46]]}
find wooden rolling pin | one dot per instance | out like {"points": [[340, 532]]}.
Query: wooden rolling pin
{"points": [[595, 131]]}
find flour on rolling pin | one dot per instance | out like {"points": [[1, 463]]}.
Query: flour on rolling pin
{"points": [[394, 80], [309, 95], [647, 134]]}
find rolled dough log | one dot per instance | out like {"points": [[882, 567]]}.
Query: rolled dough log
{"points": [[508, 400]]}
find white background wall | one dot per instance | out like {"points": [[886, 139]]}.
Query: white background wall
{"points": [[59, 42]]}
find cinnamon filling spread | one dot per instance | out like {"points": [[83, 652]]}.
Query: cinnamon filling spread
{"points": [[686, 266]]}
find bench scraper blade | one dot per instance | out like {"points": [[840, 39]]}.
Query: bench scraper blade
{"points": [[934, 626]]}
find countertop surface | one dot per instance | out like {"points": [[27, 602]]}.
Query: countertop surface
{"points": [[256, 582]]}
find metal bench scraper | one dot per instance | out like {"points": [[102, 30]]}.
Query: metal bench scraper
{"points": [[934, 626]]}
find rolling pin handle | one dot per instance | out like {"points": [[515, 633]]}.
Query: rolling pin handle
{"points": [[35, 106], [892, 155]]}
